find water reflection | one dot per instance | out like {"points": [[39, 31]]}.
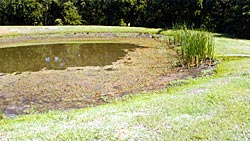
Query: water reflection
{"points": [[60, 56]]}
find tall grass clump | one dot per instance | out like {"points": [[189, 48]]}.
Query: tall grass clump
{"points": [[196, 46]]}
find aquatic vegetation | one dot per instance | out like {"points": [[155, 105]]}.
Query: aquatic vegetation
{"points": [[194, 46]]}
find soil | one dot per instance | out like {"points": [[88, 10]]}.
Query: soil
{"points": [[145, 69]]}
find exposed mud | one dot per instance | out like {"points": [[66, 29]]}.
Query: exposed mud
{"points": [[144, 69]]}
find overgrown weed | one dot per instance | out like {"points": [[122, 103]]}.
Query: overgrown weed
{"points": [[194, 47]]}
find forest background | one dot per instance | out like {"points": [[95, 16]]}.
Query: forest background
{"points": [[223, 16]]}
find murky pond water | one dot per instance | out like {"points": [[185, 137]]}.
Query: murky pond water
{"points": [[61, 56]]}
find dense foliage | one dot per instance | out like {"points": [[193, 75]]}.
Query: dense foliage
{"points": [[229, 16]]}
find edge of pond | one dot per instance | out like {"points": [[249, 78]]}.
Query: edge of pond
{"points": [[163, 82]]}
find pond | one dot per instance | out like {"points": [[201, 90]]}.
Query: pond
{"points": [[61, 56], [130, 69]]}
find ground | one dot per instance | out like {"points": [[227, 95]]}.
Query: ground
{"points": [[212, 107]]}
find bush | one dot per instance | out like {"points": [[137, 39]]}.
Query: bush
{"points": [[122, 23], [196, 46], [59, 22]]}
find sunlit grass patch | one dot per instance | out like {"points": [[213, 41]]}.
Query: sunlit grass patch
{"points": [[231, 46], [27, 30]]}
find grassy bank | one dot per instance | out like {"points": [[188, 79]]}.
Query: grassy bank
{"points": [[208, 108], [231, 46], [22, 30], [214, 108], [13, 36]]}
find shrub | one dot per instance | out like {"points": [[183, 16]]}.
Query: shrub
{"points": [[59, 22], [122, 23], [196, 46]]}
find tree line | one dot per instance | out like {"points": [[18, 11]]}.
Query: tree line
{"points": [[227, 16]]}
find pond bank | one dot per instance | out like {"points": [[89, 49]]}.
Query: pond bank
{"points": [[144, 69], [207, 108]]}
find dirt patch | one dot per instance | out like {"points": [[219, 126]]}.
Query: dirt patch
{"points": [[147, 68]]}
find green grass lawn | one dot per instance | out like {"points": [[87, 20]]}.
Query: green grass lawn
{"points": [[213, 107], [231, 46], [22, 30]]}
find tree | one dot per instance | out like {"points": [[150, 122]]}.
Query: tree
{"points": [[3, 18], [225, 16], [32, 12], [70, 14]]}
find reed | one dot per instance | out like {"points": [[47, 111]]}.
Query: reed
{"points": [[196, 46]]}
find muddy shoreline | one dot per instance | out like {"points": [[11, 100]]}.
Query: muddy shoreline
{"points": [[145, 69]]}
